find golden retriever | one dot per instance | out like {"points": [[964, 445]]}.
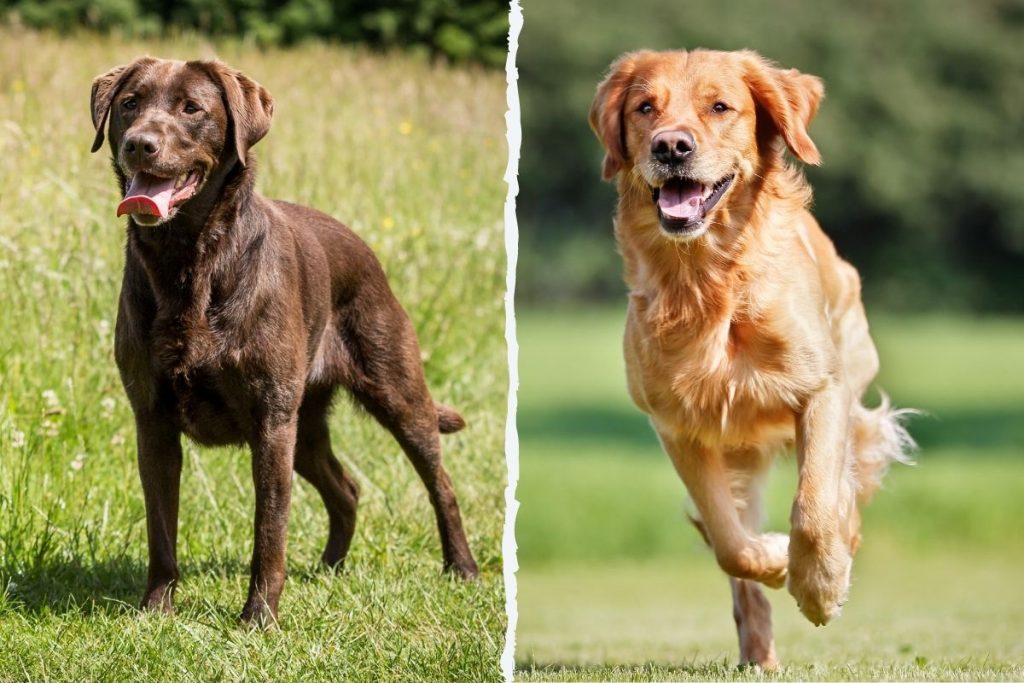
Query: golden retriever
{"points": [[745, 332]]}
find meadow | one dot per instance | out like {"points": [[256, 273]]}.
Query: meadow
{"points": [[408, 154], [615, 585]]}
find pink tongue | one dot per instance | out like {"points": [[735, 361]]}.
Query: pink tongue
{"points": [[148, 194], [681, 200]]}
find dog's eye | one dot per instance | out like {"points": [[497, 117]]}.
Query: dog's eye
{"points": [[130, 103], [719, 107], [645, 108], [191, 107]]}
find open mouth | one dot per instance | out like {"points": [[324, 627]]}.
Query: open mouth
{"points": [[683, 203], [150, 199]]}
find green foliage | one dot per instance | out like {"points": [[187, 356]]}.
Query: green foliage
{"points": [[921, 134], [72, 530], [468, 30], [458, 30]]}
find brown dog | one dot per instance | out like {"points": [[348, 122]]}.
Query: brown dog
{"points": [[239, 316], [745, 332]]}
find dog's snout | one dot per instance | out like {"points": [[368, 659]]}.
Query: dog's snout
{"points": [[139, 147], [673, 146]]}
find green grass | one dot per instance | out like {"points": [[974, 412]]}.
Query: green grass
{"points": [[72, 533], [615, 585]]}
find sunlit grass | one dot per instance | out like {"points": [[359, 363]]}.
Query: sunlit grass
{"points": [[410, 156]]}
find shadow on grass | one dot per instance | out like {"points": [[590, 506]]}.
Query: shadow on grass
{"points": [[622, 426], [981, 429], [113, 586], [984, 429], [71, 586]]}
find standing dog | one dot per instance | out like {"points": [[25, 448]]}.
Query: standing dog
{"points": [[240, 316], [745, 332]]}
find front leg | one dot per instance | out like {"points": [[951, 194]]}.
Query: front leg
{"points": [[159, 455], [273, 451], [740, 552], [819, 559]]}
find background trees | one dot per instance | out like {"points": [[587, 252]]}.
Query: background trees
{"points": [[461, 30], [922, 134]]}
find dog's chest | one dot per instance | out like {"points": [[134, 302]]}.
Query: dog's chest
{"points": [[729, 384], [207, 410], [202, 365]]}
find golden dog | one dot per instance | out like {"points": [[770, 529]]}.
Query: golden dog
{"points": [[745, 332]]}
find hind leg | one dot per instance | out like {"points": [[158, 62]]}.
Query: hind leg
{"points": [[381, 367], [412, 419], [383, 370], [424, 450], [753, 616], [316, 463]]}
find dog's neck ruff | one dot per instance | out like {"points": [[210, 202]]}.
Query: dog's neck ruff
{"points": [[699, 281]]}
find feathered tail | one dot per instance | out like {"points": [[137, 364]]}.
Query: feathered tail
{"points": [[879, 438]]}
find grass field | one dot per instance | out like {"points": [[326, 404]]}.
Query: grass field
{"points": [[615, 585], [72, 532]]}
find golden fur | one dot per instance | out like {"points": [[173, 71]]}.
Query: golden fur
{"points": [[745, 332]]}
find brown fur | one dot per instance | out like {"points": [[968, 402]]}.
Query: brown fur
{"points": [[746, 335], [238, 319]]}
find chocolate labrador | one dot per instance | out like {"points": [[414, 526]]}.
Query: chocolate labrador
{"points": [[240, 316]]}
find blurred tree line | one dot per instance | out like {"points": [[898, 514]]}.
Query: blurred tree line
{"points": [[460, 30], [921, 130]]}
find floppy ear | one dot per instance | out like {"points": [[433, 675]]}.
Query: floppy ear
{"points": [[104, 88], [250, 107], [606, 113], [790, 98]]}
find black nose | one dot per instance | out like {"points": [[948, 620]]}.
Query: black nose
{"points": [[139, 147], [673, 146]]}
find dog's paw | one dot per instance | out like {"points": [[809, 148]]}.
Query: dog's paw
{"points": [[158, 599], [768, 664], [763, 559], [259, 616], [464, 569], [776, 548], [819, 577]]}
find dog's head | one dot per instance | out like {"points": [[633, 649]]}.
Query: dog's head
{"points": [[695, 126], [171, 124]]}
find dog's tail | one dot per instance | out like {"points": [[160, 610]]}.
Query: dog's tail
{"points": [[448, 421], [879, 438]]}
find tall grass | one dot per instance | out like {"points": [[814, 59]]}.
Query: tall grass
{"points": [[410, 156]]}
